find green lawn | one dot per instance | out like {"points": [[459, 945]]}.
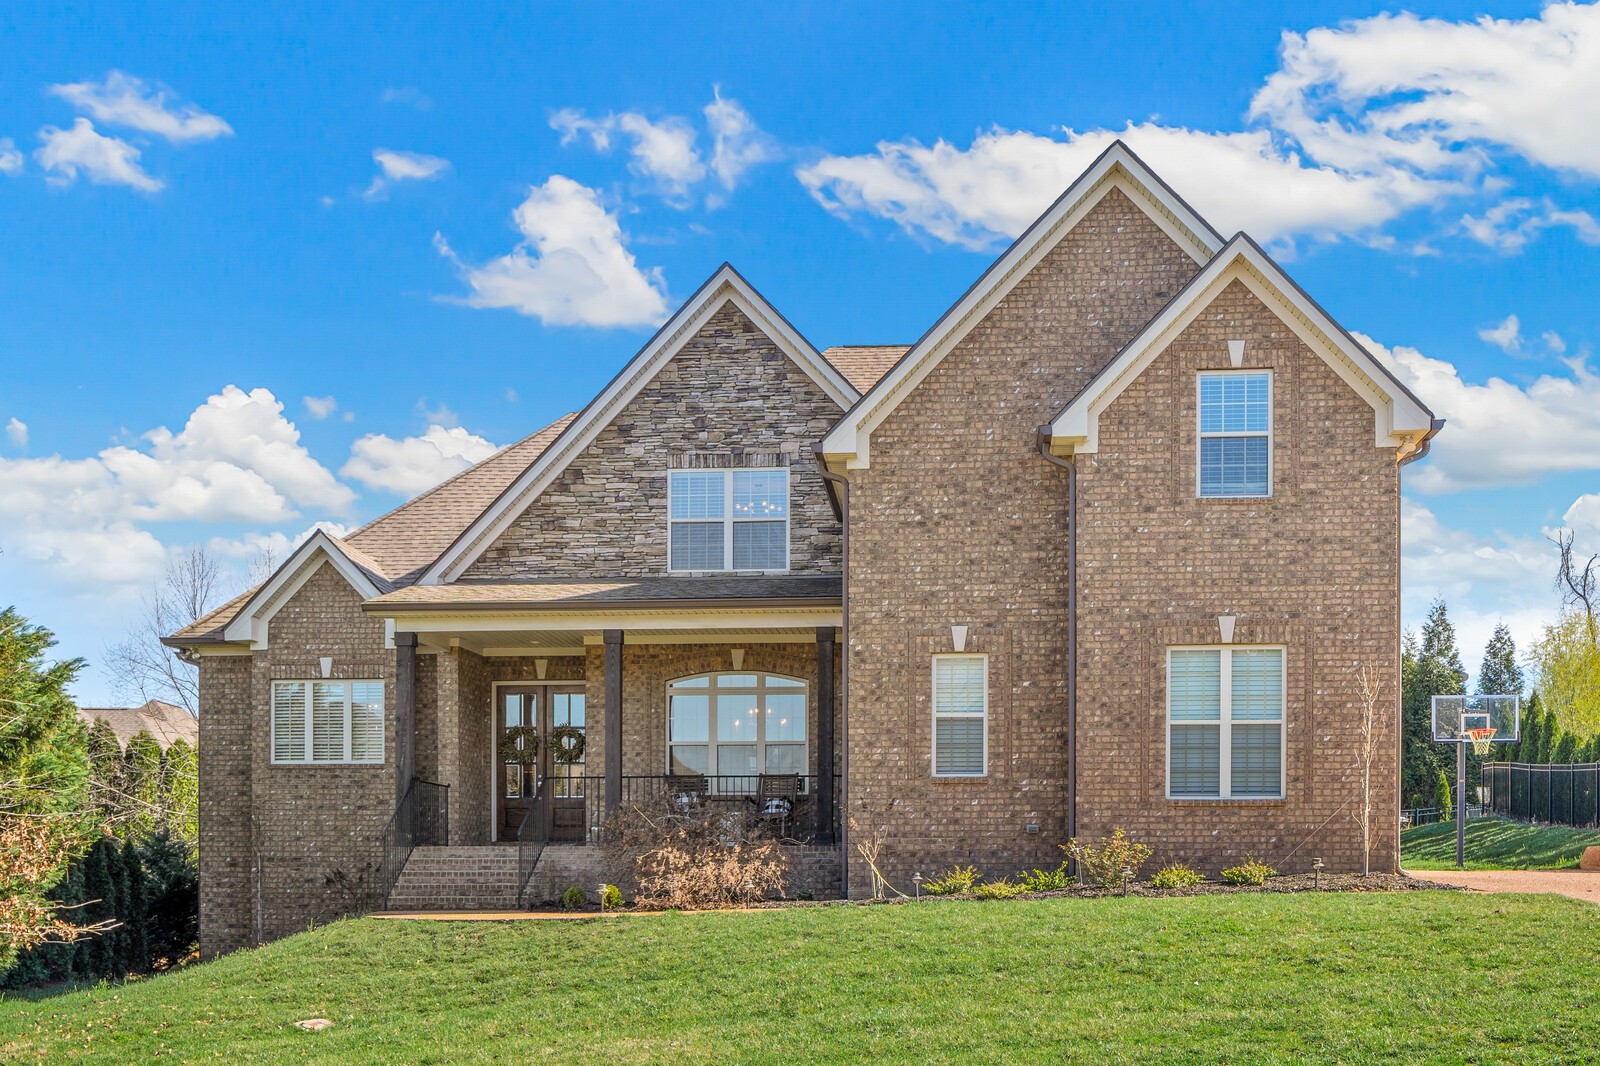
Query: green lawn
{"points": [[1236, 978], [1496, 844]]}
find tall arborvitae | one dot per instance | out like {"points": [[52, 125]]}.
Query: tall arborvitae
{"points": [[134, 912], [1500, 675], [182, 792], [1531, 749], [143, 786]]}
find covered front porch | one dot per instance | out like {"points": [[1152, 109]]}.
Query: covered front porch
{"points": [[527, 714]]}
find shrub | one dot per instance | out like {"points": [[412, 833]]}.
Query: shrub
{"points": [[1250, 872], [1176, 875], [694, 857], [1113, 862], [573, 898], [1046, 880], [952, 882], [1001, 889], [610, 898]]}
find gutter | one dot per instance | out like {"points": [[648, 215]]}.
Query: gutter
{"points": [[1072, 626], [1425, 443], [839, 492], [701, 603]]}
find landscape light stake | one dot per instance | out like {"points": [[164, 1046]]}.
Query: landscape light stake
{"points": [[1316, 871], [916, 883], [1127, 877]]}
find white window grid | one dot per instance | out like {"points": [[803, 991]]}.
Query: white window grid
{"points": [[730, 515], [1225, 723], [981, 716], [1203, 434], [298, 725], [763, 687]]}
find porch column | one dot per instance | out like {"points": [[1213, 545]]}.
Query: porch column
{"points": [[825, 744], [405, 713], [613, 684]]}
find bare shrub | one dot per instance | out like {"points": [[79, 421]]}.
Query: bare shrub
{"points": [[694, 855], [1112, 862]]}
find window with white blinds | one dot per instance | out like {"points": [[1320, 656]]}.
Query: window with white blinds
{"points": [[960, 715], [728, 519], [327, 721], [1225, 723]]}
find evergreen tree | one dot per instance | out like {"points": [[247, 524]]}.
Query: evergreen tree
{"points": [[181, 797], [142, 786], [1429, 666], [97, 955], [1566, 750], [1529, 750], [1500, 675], [134, 912], [1549, 734], [1443, 799]]}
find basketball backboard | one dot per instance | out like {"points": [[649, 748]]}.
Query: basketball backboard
{"points": [[1461, 718]]}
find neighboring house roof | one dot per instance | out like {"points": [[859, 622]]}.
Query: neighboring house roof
{"points": [[1400, 418], [166, 722], [811, 590], [863, 364], [848, 444], [725, 286]]}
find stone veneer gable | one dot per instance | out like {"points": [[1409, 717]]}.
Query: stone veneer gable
{"points": [[728, 398]]}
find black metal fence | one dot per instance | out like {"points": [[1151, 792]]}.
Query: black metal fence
{"points": [[1543, 792], [1428, 815], [588, 796], [420, 819]]}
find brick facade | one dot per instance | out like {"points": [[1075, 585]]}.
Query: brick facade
{"points": [[728, 398]]}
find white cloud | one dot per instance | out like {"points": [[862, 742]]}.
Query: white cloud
{"points": [[412, 464], [662, 151], [124, 100], [1499, 433], [409, 95], [994, 188], [1426, 93], [737, 142], [395, 167], [571, 267], [1553, 341], [103, 160], [1508, 226], [10, 158], [1507, 336], [17, 432], [235, 459], [320, 407]]}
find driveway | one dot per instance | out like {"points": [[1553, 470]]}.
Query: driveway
{"points": [[1578, 884]]}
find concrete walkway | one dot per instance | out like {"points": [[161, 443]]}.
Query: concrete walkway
{"points": [[1578, 884]]}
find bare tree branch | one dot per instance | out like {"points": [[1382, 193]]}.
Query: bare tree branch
{"points": [[1576, 581], [142, 668]]}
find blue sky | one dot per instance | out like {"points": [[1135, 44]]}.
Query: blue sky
{"points": [[268, 271]]}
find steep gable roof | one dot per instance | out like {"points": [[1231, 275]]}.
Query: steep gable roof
{"points": [[250, 622], [1400, 419], [725, 286], [848, 444], [863, 364]]}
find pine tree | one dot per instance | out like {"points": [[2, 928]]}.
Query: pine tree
{"points": [[1566, 750], [1549, 735], [97, 955], [1529, 750], [1429, 666], [134, 912], [1500, 675]]}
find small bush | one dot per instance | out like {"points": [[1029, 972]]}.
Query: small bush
{"points": [[610, 898], [952, 882], [693, 858], [1250, 872], [1111, 863], [573, 898], [1001, 889], [1176, 875], [1046, 880]]}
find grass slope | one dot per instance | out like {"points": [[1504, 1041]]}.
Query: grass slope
{"points": [[1240, 978], [1496, 844]]}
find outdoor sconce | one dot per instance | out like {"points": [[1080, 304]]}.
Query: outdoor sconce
{"points": [[916, 882], [738, 658], [327, 665], [958, 638]]}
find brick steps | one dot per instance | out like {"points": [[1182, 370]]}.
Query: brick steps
{"points": [[457, 879]]}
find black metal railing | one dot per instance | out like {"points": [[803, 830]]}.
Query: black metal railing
{"points": [[420, 819], [1413, 816], [1555, 794], [643, 789], [532, 835]]}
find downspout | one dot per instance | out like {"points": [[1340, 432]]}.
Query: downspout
{"points": [[839, 492], [1425, 443], [1072, 627]]}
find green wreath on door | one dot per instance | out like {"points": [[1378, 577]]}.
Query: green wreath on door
{"points": [[520, 745], [567, 743]]}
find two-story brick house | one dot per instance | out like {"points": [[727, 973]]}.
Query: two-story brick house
{"points": [[1103, 548]]}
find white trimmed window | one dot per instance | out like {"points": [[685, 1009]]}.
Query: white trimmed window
{"points": [[1225, 723], [1235, 433], [327, 722], [960, 715], [728, 519], [734, 727]]}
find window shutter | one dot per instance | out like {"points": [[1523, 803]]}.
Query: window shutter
{"points": [[366, 721], [327, 721], [289, 721]]}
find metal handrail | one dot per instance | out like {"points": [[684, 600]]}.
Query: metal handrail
{"points": [[405, 830], [532, 835]]}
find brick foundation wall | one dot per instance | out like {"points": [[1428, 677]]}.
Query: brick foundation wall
{"points": [[728, 398]]}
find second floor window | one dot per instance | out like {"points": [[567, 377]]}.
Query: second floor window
{"points": [[1236, 433], [728, 519]]}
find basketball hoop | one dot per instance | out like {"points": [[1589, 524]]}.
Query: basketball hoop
{"points": [[1482, 739]]}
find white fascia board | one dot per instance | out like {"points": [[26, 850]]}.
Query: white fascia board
{"points": [[724, 286], [1399, 419], [251, 623], [848, 446], [579, 622]]}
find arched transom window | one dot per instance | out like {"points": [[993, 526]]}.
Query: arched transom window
{"points": [[724, 725]]}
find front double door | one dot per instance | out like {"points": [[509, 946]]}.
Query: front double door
{"points": [[542, 735]]}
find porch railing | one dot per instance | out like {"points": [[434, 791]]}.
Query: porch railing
{"points": [[589, 793], [420, 819], [532, 835]]}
